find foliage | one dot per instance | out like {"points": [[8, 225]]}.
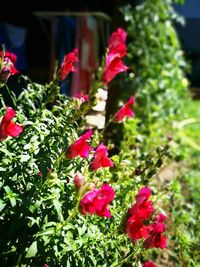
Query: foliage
{"points": [[157, 69], [41, 219], [165, 114]]}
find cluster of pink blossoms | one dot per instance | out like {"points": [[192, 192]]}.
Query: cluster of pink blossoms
{"points": [[95, 201], [116, 50], [7, 65], [7, 68], [137, 226], [81, 148]]}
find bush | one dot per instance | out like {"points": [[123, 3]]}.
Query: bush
{"points": [[63, 200]]}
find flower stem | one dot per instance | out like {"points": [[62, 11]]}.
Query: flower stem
{"points": [[127, 258]]}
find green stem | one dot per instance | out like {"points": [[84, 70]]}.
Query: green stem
{"points": [[72, 215], [106, 125], [187, 121], [127, 258], [57, 162]]}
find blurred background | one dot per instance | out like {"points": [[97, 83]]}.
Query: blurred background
{"points": [[39, 34]]}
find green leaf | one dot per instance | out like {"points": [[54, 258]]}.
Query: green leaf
{"points": [[24, 157], [2, 205], [49, 231], [6, 152], [32, 251], [7, 189], [13, 201], [58, 208]]}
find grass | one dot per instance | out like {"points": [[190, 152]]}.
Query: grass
{"points": [[190, 179]]}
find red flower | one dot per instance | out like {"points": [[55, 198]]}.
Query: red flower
{"points": [[139, 212], [114, 65], [136, 229], [8, 55], [116, 50], [156, 238], [125, 111], [116, 42], [83, 98], [149, 264], [97, 201], [8, 127], [160, 218], [101, 158], [142, 209], [68, 65], [7, 66], [143, 195], [80, 147]]}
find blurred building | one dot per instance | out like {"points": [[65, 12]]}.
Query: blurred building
{"points": [[189, 34]]}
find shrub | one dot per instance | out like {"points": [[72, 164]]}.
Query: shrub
{"points": [[63, 200]]}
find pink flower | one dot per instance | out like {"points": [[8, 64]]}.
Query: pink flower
{"points": [[156, 239], [116, 42], [149, 264], [9, 55], [7, 65], [136, 229], [140, 211], [142, 208], [82, 98], [114, 65], [101, 159], [143, 195], [125, 111], [8, 127], [78, 180], [97, 201], [80, 147], [116, 50], [68, 65], [160, 218]]}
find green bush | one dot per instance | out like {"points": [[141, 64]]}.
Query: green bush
{"points": [[157, 70], [42, 219]]}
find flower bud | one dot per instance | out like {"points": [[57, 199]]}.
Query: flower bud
{"points": [[5, 74], [78, 180]]}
